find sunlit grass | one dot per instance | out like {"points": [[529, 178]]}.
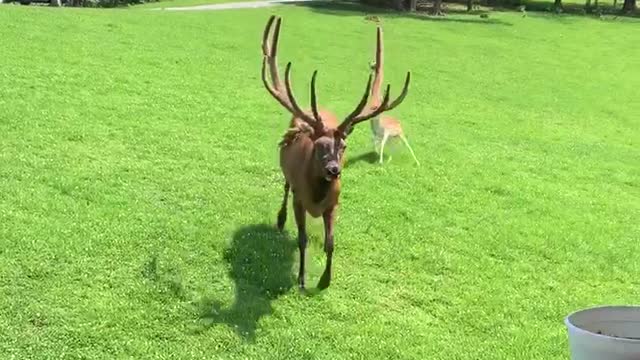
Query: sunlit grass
{"points": [[140, 185]]}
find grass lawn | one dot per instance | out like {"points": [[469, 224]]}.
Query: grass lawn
{"points": [[139, 185]]}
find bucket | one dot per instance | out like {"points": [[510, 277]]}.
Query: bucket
{"points": [[605, 333]]}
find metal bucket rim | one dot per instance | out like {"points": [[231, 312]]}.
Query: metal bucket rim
{"points": [[571, 326]]}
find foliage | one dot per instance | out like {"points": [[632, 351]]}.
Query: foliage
{"points": [[572, 6], [140, 184]]}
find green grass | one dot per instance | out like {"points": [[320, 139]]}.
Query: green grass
{"points": [[139, 184]]}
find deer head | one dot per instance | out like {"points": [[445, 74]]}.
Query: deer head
{"points": [[329, 140]]}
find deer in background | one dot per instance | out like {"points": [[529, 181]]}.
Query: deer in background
{"points": [[383, 126], [312, 150]]}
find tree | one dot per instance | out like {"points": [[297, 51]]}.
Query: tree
{"points": [[413, 5], [56, 3], [629, 5], [557, 4]]}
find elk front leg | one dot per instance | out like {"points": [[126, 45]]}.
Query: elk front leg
{"points": [[328, 218], [300, 215], [282, 214]]}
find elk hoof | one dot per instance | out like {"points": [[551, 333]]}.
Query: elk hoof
{"points": [[325, 280], [282, 218]]}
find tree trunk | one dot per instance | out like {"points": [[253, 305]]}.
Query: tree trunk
{"points": [[398, 4], [469, 5], [629, 5], [437, 7], [413, 5], [557, 4], [56, 3]]}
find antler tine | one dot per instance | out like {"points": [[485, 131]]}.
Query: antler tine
{"points": [[376, 105], [403, 94], [273, 55], [284, 95], [314, 101], [378, 72], [377, 111], [270, 50], [385, 103], [361, 104], [287, 86], [270, 88], [379, 47], [347, 125], [314, 122], [265, 36]]}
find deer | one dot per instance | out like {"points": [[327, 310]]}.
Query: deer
{"points": [[383, 127], [311, 151]]}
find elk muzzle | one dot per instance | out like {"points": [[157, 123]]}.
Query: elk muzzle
{"points": [[332, 170]]}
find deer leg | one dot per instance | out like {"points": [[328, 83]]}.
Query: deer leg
{"points": [[385, 137], [328, 218], [410, 149], [300, 215], [376, 142], [282, 214]]}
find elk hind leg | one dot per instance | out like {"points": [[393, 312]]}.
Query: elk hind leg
{"points": [[282, 214]]}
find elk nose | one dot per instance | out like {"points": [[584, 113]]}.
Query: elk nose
{"points": [[334, 170]]}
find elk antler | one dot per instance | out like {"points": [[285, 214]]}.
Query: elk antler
{"points": [[284, 94], [377, 107], [378, 68]]}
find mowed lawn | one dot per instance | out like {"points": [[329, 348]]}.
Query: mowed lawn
{"points": [[139, 186]]}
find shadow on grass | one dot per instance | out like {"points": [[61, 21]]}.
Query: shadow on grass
{"points": [[581, 9], [353, 8], [370, 157], [260, 260], [546, 10], [458, 9]]}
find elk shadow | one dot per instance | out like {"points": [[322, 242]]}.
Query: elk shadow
{"points": [[260, 259], [370, 157]]}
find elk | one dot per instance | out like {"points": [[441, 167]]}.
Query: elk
{"points": [[312, 150], [383, 127]]}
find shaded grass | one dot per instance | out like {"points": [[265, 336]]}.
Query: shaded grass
{"points": [[456, 11], [140, 150]]}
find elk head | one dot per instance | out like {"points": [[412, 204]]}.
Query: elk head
{"points": [[329, 137]]}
